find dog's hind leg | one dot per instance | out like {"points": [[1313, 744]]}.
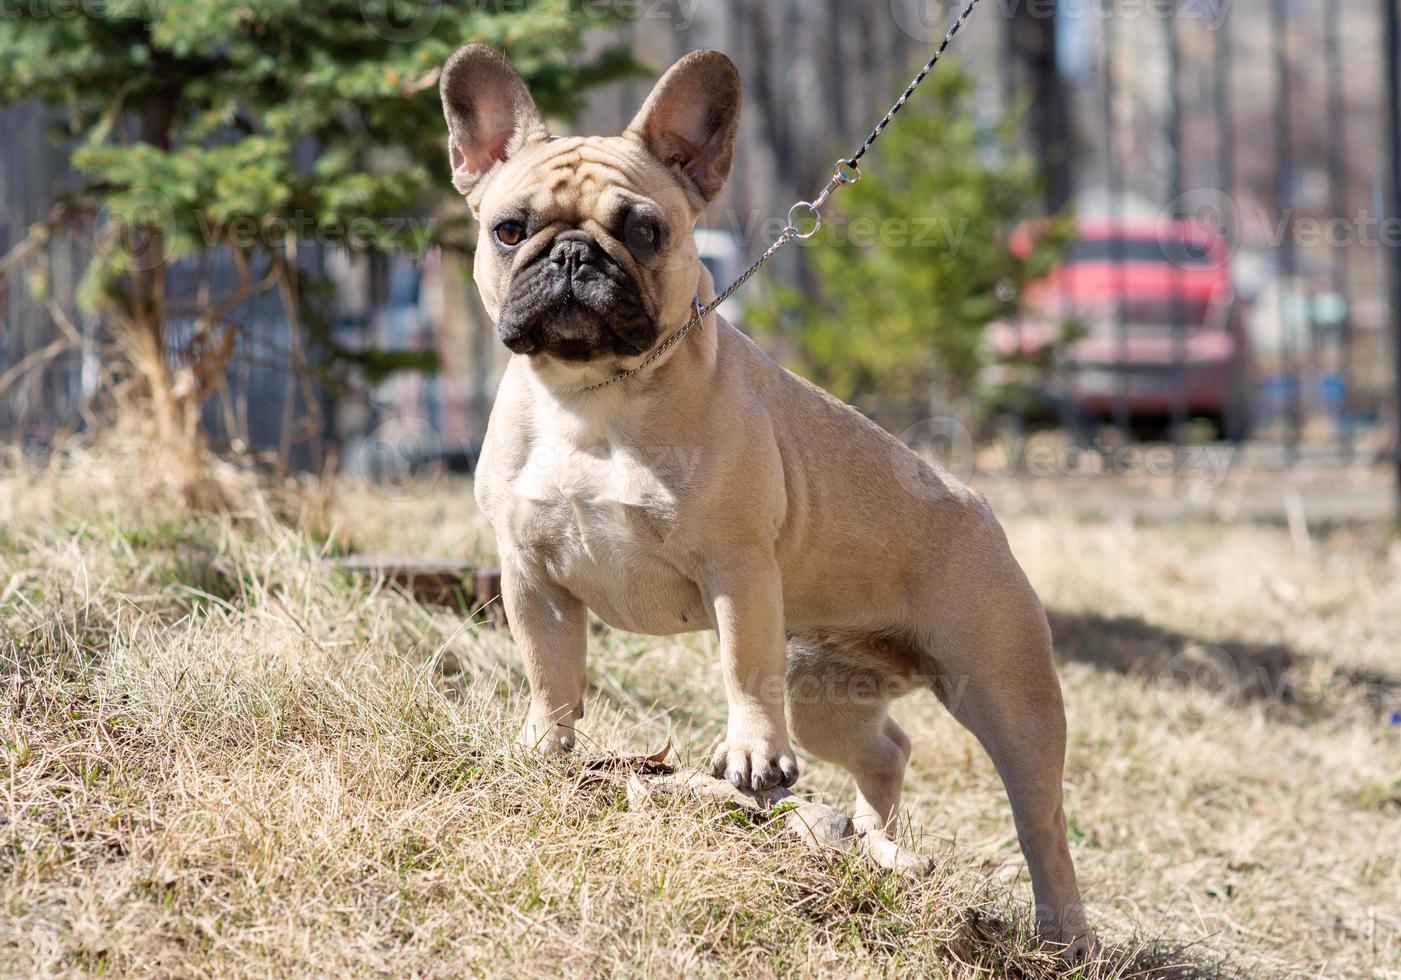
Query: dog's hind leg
{"points": [[1002, 686]]}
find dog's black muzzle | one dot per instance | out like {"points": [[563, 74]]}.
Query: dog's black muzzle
{"points": [[575, 302]]}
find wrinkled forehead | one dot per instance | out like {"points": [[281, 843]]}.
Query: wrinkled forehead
{"points": [[573, 178]]}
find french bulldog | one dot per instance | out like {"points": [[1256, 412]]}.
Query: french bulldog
{"points": [[714, 490]]}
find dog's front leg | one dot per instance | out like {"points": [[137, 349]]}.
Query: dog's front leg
{"points": [[549, 626], [747, 603]]}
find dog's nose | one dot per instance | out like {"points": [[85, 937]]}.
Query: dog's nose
{"points": [[572, 249]]}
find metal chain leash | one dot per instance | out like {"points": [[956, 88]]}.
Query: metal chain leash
{"points": [[806, 213], [910, 89]]}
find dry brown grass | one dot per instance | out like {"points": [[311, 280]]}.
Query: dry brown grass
{"points": [[222, 758]]}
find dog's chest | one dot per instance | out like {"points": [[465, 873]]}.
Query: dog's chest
{"points": [[603, 521]]}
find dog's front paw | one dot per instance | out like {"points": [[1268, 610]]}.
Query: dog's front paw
{"points": [[755, 764], [1076, 947], [1079, 950]]}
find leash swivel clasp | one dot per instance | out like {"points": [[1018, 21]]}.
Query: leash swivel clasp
{"points": [[805, 217]]}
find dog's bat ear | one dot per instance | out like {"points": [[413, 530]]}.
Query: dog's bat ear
{"points": [[489, 112], [689, 120]]}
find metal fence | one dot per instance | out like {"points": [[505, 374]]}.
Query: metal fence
{"points": [[53, 372], [41, 377]]}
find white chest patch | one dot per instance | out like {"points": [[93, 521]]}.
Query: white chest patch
{"points": [[601, 520], [555, 473]]}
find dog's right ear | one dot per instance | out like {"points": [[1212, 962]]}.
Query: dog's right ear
{"points": [[490, 114]]}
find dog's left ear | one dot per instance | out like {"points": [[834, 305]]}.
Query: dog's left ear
{"points": [[490, 114], [689, 120]]}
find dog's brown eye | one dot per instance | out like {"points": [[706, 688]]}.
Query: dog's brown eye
{"points": [[510, 233], [642, 235]]}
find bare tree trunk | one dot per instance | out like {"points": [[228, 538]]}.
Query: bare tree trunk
{"points": [[145, 343], [1035, 75], [175, 393]]}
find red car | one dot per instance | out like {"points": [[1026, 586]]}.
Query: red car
{"points": [[1169, 283]]}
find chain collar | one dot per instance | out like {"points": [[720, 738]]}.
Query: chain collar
{"points": [[698, 313]]}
